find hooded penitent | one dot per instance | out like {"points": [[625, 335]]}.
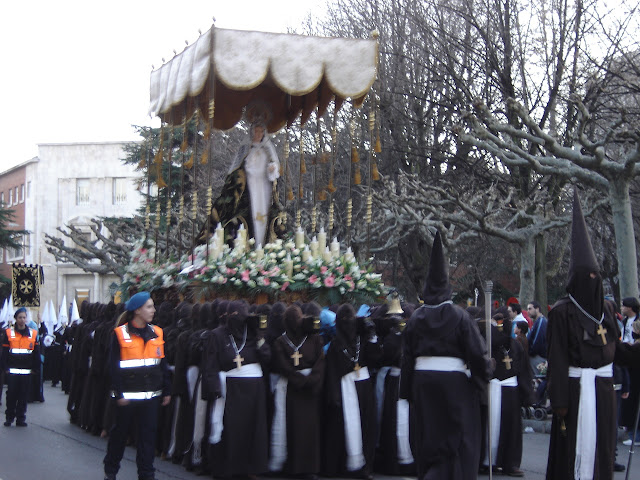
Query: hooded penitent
{"points": [[346, 328], [586, 291], [437, 288], [237, 318], [293, 324]]}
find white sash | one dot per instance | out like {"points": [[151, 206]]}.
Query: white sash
{"points": [[587, 414], [442, 364], [198, 425], [351, 415], [174, 423], [495, 390], [192, 378], [251, 370], [279, 426], [402, 433]]}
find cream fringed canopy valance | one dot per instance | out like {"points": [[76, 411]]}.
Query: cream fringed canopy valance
{"points": [[293, 74]]}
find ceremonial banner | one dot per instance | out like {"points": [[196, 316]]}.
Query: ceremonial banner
{"points": [[26, 285]]}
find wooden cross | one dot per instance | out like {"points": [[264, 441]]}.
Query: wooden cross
{"points": [[238, 360], [357, 369], [296, 358], [507, 361], [602, 331]]}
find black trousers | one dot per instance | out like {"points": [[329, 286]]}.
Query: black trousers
{"points": [[17, 396], [144, 413]]}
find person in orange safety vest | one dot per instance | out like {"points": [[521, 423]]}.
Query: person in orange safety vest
{"points": [[140, 384], [20, 357]]}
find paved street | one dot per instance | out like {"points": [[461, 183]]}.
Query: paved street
{"points": [[50, 448]]}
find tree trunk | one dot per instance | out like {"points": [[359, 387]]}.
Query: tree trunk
{"points": [[541, 272], [625, 239], [527, 270]]}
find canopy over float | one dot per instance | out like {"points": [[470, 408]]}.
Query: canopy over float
{"points": [[293, 74]]}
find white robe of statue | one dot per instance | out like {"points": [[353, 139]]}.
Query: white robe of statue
{"points": [[262, 168]]}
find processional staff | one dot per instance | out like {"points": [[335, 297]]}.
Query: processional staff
{"points": [[488, 288]]}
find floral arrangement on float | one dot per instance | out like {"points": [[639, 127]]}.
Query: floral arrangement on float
{"points": [[283, 270]]}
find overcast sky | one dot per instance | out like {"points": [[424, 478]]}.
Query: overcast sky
{"points": [[78, 71]]}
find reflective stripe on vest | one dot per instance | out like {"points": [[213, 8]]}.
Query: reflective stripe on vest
{"points": [[144, 362], [20, 351], [19, 371]]}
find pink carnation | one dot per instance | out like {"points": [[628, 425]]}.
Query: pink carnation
{"points": [[323, 269], [266, 281], [329, 281], [245, 276], [340, 269], [348, 277], [284, 286], [313, 279]]}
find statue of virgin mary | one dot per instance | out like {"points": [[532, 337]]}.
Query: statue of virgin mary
{"points": [[247, 196]]}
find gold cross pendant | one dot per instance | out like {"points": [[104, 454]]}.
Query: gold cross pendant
{"points": [[507, 361], [238, 360], [296, 358], [602, 332]]}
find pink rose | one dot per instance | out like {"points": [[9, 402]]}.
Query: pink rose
{"points": [[330, 281], [313, 279], [245, 276], [348, 277], [284, 286], [266, 281], [323, 269]]}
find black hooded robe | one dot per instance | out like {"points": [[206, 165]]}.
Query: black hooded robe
{"points": [[337, 366], [303, 403], [445, 408], [572, 341], [509, 453], [243, 448]]}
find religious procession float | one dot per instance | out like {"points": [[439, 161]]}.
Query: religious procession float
{"points": [[254, 243]]}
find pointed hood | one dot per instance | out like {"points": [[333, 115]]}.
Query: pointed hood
{"points": [[437, 288], [582, 256], [585, 282]]}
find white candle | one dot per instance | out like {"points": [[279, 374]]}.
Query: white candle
{"points": [[220, 235], [288, 266], [327, 255], [335, 248], [322, 240], [259, 252], [314, 247], [348, 256], [299, 238], [306, 254]]}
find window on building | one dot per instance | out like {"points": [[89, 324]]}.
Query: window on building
{"points": [[10, 196], [119, 191], [82, 294], [15, 199], [22, 193], [14, 254], [82, 191]]}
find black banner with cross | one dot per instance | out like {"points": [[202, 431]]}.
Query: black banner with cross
{"points": [[26, 285]]}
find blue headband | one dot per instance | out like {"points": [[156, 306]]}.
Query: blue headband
{"points": [[20, 310], [138, 300]]}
